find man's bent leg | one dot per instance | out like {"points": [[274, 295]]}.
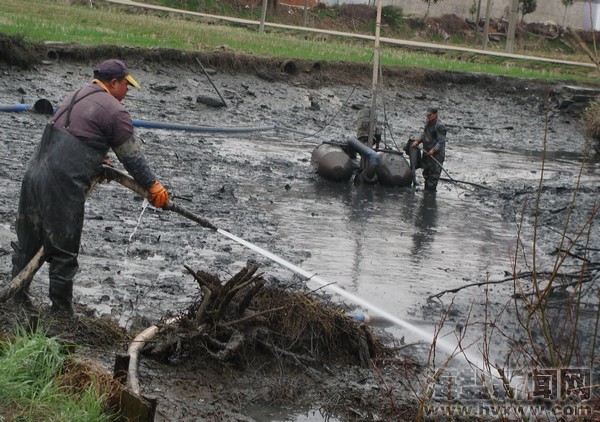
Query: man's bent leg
{"points": [[432, 170], [429, 173]]}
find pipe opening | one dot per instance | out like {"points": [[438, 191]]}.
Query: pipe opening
{"points": [[43, 106], [290, 67], [52, 55]]}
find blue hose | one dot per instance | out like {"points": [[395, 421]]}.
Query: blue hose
{"points": [[200, 129], [14, 108], [43, 106]]}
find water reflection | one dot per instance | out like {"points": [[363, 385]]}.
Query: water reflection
{"points": [[368, 227], [426, 216]]}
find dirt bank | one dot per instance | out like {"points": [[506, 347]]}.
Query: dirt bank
{"points": [[132, 267]]}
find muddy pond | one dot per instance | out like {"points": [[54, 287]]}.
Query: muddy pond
{"points": [[391, 247]]}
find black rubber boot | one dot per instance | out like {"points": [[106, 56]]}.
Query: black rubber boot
{"points": [[61, 294], [63, 310], [62, 271]]}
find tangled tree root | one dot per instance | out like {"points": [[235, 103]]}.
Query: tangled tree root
{"points": [[235, 321]]}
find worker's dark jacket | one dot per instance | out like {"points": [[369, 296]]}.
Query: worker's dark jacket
{"points": [[434, 136], [70, 155]]}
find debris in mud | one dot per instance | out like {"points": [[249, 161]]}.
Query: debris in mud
{"points": [[243, 320], [210, 101]]}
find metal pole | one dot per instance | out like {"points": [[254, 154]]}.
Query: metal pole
{"points": [[211, 82], [375, 73]]}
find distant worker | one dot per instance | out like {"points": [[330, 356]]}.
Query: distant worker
{"points": [[69, 157], [433, 139]]}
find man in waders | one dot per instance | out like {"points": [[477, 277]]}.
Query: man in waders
{"points": [[433, 139], [69, 157]]}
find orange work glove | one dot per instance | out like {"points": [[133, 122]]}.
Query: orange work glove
{"points": [[158, 195]]}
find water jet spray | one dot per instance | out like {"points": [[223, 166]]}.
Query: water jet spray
{"points": [[451, 349]]}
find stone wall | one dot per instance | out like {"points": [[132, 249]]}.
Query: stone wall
{"points": [[577, 16]]}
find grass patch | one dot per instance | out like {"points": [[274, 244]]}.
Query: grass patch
{"points": [[31, 387]]}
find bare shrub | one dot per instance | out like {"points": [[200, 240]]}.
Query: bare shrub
{"points": [[392, 16], [450, 24], [358, 12]]}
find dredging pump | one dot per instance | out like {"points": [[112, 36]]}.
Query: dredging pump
{"points": [[340, 161]]}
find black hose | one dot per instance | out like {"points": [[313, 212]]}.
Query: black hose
{"points": [[466, 183]]}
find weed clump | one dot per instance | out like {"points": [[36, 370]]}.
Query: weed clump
{"points": [[33, 382], [14, 50]]}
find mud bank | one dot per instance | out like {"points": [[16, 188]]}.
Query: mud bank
{"points": [[390, 246]]}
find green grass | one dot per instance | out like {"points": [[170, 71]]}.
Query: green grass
{"points": [[113, 24], [28, 388]]}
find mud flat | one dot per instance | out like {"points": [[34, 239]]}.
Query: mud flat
{"points": [[391, 247]]}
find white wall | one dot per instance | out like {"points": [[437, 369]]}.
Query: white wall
{"points": [[578, 15]]}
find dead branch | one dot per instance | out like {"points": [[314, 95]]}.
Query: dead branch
{"points": [[205, 280], [24, 277], [504, 280]]}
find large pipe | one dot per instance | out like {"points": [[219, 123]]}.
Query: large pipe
{"points": [[371, 156], [45, 107], [40, 106]]}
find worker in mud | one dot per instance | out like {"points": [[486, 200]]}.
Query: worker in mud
{"points": [[433, 140], [64, 166]]}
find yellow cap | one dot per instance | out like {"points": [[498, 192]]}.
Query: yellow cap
{"points": [[132, 81]]}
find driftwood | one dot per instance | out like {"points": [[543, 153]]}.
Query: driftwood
{"points": [[23, 279], [527, 274], [220, 320], [225, 306]]}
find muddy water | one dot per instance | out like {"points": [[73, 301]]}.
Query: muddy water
{"points": [[395, 247]]}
